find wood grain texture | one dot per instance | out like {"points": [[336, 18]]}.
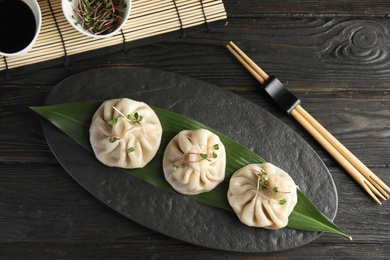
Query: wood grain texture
{"points": [[334, 55], [245, 8]]}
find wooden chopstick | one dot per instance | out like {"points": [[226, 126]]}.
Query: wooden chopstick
{"points": [[358, 171], [356, 175], [366, 172]]}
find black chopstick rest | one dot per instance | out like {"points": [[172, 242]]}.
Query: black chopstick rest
{"points": [[284, 98]]}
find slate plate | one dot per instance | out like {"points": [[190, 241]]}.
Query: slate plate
{"points": [[175, 215]]}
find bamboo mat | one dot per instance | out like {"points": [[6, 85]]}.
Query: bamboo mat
{"points": [[150, 20]]}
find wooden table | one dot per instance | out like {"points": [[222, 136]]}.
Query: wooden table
{"points": [[334, 55]]}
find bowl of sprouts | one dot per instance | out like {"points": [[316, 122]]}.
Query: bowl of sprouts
{"points": [[97, 18]]}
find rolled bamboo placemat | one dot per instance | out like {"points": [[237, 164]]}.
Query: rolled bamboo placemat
{"points": [[149, 21]]}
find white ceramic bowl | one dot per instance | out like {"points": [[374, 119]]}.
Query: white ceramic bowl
{"points": [[34, 6], [67, 8]]}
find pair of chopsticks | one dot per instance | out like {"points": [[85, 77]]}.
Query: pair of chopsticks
{"points": [[375, 187]]}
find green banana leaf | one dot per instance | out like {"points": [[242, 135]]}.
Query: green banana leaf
{"points": [[74, 120]]}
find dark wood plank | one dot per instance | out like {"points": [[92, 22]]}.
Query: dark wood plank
{"points": [[164, 250], [248, 8], [21, 136]]}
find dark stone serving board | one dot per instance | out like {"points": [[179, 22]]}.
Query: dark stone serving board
{"points": [[175, 215]]}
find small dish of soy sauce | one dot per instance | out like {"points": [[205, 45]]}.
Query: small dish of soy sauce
{"points": [[20, 23]]}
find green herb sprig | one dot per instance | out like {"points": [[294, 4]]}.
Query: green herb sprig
{"points": [[135, 120], [262, 183], [184, 160]]}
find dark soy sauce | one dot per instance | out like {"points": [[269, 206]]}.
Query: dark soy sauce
{"points": [[17, 25]]}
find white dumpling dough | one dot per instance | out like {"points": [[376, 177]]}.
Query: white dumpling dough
{"points": [[128, 143], [265, 201], [185, 169]]}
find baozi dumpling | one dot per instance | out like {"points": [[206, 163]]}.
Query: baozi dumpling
{"points": [[262, 195], [125, 133], [194, 161]]}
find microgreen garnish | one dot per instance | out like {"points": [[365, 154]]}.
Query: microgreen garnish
{"points": [[114, 121], [130, 150], [184, 160], [262, 183], [136, 119], [113, 139], [204, 156], [262, 179], [176, 167], [99, 17], [215, 148]]}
